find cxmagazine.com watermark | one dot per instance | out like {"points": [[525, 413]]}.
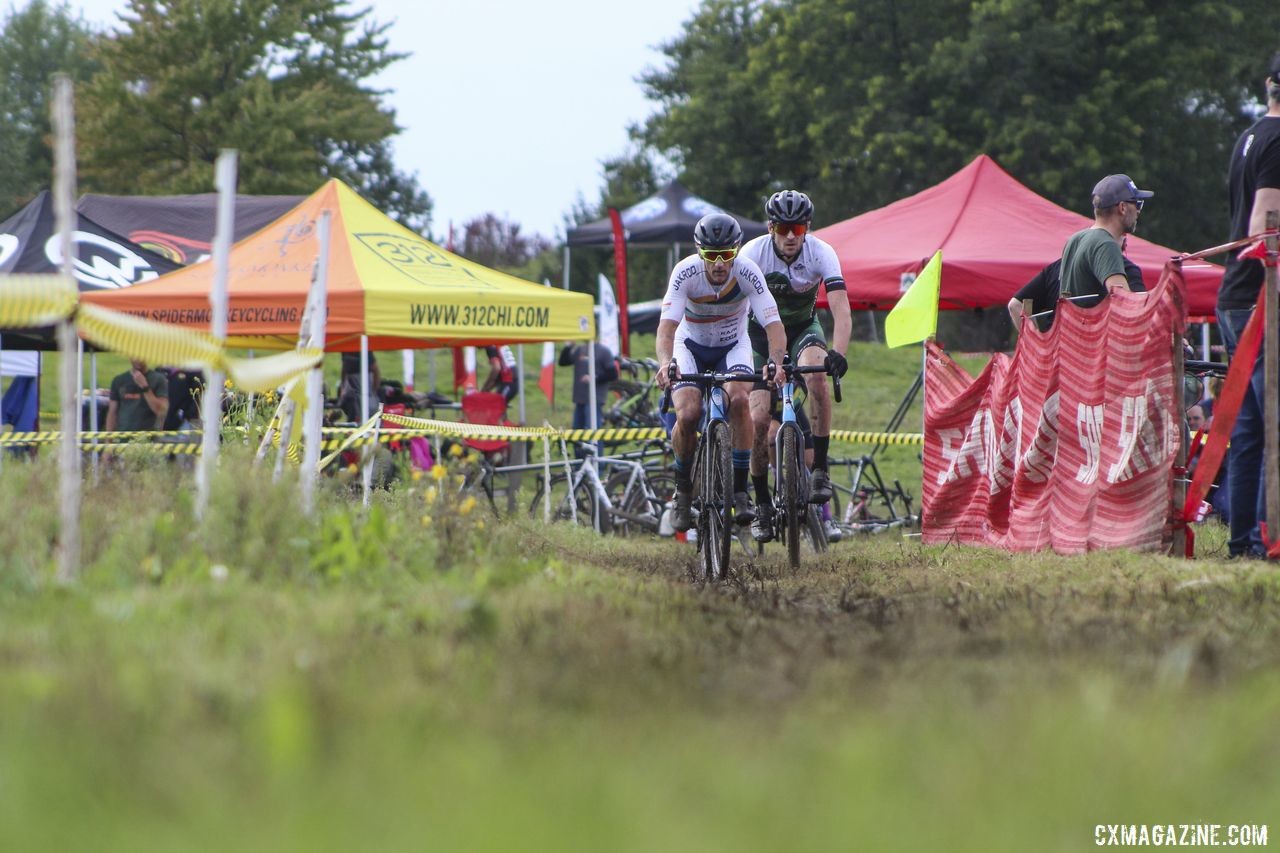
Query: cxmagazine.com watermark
{"points": [[1180, 835]]}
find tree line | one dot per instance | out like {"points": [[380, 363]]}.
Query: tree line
{"points": [[859, 102], [283, 81]]}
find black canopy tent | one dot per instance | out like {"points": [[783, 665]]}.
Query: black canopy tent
{"points": [[664, 220], [180, 227], [104, 259]]}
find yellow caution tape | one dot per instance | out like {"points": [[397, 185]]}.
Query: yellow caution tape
{"points": [[34, 300], [623, 434], [343, 438], [147, 340], [161, 343], [465, 430], [855, 437], [50, 437], [270, 372], [363, 435]]}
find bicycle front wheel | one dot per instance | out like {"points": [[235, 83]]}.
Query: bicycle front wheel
{"points": [[789, 486], [717, 501]]}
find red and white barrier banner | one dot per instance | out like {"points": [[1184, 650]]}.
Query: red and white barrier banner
{"points": [[1070, 444]]}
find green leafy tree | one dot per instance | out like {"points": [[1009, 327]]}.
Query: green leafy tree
{"points": [[499, 243], [862, 102], [282, 81], [36, 42]]}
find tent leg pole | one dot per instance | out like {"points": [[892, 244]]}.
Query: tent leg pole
{"points": [[520, 379], [367, 474], [93, 409]]}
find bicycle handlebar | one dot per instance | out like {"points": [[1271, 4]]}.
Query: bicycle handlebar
{"points": [[812, 368], [708, 378]]}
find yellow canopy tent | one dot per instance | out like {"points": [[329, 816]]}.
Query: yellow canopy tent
{"points": [[384, 282]]}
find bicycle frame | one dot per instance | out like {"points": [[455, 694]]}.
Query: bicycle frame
{"points": [[713, 514], [785, 510]]}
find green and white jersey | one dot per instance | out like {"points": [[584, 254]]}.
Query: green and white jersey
{"points": [[795, 285]]}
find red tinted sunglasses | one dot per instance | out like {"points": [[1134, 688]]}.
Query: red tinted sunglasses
{"points": [[797, 228]]}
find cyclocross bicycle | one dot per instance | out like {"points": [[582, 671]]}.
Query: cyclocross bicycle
{"points": [[791, 492], [712, 470]]}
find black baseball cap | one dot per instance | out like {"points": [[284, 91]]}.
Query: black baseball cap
{"points": [[1274, 72], [1114, 189]]}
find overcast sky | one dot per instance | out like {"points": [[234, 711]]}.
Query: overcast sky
{"points": [[510, 107]]}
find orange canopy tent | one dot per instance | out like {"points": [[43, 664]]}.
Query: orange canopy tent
{"points": [[384, 281]]}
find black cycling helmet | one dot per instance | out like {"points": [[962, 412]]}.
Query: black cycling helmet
{"points": [[717, 231], [788, 206]]}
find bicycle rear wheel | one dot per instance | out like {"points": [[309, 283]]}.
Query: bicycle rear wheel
{"points": [[579, 511], [789, 486], [717, 499]]}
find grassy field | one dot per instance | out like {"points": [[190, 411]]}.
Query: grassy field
{"points": [[422, 676]]}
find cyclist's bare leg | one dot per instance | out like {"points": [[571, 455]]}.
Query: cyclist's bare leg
{"points": [[761, 440], [684, 436], [739, 415], [819, 402]]}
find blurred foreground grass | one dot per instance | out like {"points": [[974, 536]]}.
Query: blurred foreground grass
{"points": [[422, 676]]}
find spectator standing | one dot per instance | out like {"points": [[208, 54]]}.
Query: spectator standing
{"points": [[1045, 289], [349, 385], [606, 372], [1092, 263], [186, 390], [1253, 188], [139, 399]]}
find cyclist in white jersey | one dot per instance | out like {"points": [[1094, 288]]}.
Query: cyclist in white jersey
{"points": [[794, 264], [703, 326]]}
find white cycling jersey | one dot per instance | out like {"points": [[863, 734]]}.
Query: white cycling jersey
{"points": [[795, 285], [716, 316]]}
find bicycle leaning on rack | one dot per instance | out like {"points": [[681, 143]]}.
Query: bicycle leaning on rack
{"points": [[622, 494], [791, 476], [712, 470], [634, 405]]}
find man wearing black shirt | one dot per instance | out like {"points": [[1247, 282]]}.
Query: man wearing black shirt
{"points": [[1253, 186], [1045, 288]]}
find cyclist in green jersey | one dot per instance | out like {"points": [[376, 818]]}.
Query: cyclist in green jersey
{"points": [[794, 264]]}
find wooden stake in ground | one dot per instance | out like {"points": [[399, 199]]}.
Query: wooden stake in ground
{"points": [[64, 193], [318, 300], [211, 405]]}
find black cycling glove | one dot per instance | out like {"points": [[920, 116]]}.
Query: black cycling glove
{"points": [[837, 365]]}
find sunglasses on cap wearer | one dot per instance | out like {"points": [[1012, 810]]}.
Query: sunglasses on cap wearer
{"points": [[797, 228], [712, 256], [1137, 202]]}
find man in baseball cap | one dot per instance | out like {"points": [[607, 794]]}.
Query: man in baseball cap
{"points": [[1114, 189], [1092, 263]]}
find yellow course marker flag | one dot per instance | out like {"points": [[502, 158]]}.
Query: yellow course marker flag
{"points": [[34, 300], [915, 317]]}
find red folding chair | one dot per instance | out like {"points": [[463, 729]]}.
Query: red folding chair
{"points": [[486, 407]]}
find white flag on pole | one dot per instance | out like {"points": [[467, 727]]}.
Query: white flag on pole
{"points": [[608, 331]]}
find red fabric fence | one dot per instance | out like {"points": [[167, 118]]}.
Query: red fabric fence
{"points": [[1070, 444]]}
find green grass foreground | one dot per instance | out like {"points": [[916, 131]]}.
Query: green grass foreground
{"points": [[373, 681]]}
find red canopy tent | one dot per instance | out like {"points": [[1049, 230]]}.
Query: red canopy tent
{"points": [[994, 233]]}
